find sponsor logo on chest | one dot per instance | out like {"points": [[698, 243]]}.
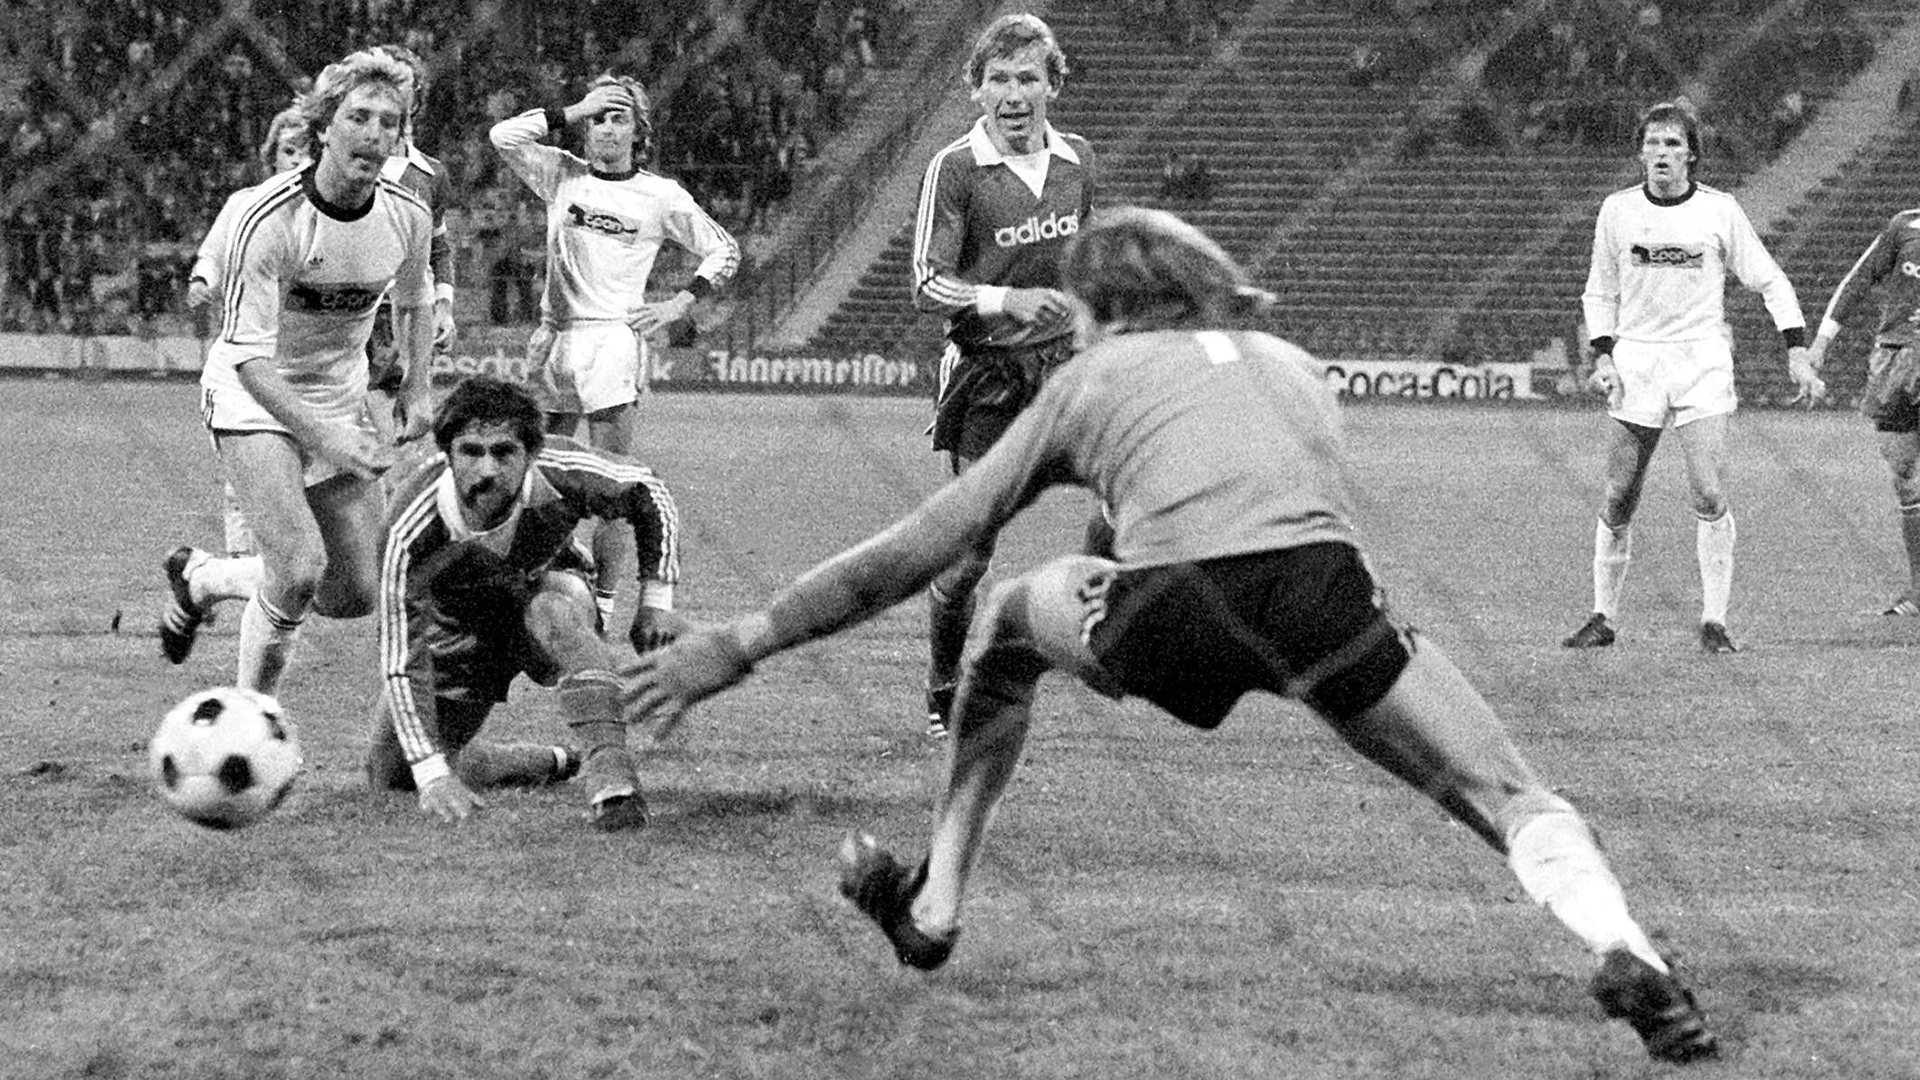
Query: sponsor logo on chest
{"points": [[1034, 230], [1668, 256], [333, 297], [600, 221]]}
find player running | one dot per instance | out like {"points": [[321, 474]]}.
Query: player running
{"points": [[285, 383], [480, 582], [1219, 453]]}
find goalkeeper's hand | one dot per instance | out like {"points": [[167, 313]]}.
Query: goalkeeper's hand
{"points": [[1806, 376], [655, 628], [660, 686]]}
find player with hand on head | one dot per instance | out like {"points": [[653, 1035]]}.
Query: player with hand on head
{"points": [[285, 385], [1663, 356], [997, 206], [1891, 399], [1219, 454], [481, 581], [606, 221]]}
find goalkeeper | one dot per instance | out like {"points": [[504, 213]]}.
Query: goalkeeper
{"points": [[1217, 452], [480, 581]]}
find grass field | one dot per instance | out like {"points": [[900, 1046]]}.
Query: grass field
{"points": [[1154, 903]]}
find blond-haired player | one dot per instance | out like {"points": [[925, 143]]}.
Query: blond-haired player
{"points": [[284, 389]]}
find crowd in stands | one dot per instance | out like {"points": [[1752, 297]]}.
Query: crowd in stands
{"points": [[1579, 71], [127, 122]]}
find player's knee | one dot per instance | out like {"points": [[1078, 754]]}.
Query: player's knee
{"points": [[999, 657], [562, 600], [1038, 622], [1709, 504]]}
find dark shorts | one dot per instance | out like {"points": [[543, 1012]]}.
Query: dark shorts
{"points": [[987, 388], [1892, 395], [479, 640], [1303, 622]]}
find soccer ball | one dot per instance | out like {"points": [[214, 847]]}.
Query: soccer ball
{"points": [[224, 758]]}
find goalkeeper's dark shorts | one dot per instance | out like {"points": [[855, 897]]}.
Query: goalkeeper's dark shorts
{"points": [[1305, 622], [1891, 398], [982, 389]]}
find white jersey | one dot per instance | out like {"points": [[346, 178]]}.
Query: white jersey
{"points": [[1659, 267], [210, 260], [303, 279], [603, 232]]}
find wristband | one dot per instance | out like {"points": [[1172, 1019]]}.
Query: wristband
{"points": [[656, 594], [429, 769], [990, 299]]}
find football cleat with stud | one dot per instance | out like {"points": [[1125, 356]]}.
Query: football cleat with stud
{"points": [[939, 709], [1660, 1010], [1714, 639], [883, 890], [1595, 633], [618, 805], [1904, 606], [180, 622]]}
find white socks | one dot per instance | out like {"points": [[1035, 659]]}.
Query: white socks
{"points": [[267, 635], [1612, 552], [1560, 867], [1714, 544]]}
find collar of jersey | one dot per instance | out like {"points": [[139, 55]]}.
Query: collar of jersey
{"points": [[396, 165], [984, 152], [1674, 200], [448, 499], [320, 203]]}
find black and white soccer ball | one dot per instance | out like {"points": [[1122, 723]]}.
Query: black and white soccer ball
{"points": [[225, 758]]}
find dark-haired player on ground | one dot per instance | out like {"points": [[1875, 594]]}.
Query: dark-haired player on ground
{"points": [[1891, 402], [1219, 454], [997, 206], [481, 582], [606, 220], [1663, 355]]}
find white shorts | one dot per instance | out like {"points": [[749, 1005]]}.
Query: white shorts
{"points": [[235, 412], [1674, 382], [592, 366]]}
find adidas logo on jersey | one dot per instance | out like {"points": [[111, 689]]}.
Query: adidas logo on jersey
{"points": [[1033, 230]]}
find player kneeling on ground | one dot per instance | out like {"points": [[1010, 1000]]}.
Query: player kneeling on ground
{"points": [[480, 581], [1217, 453]]}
